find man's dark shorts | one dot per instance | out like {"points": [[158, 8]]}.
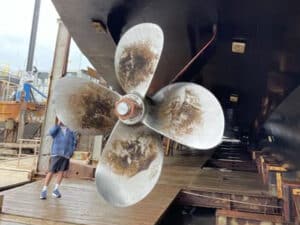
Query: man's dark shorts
{"points": [[59, 163]]}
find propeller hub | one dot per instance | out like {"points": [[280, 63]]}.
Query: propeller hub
{"points": [[123, 108], [130, 109]]}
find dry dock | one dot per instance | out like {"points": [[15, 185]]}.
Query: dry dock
{"points": [[182, 180]]}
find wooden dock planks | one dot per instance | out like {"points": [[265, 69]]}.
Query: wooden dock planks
{"points": [[14, 172], [6, 219], [82, 205], [237, 182], [10, 178], [24, 163]]}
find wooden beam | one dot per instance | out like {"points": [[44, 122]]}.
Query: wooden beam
{"points": [[218, 200], [17, 145], [15, 169], [236, 217], [1, 202], [59, 69], [289, 205]]}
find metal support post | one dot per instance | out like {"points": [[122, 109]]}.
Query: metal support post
{"points": [[35, 21]]}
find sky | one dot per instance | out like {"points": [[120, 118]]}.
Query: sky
{"points": [[15, 27]]}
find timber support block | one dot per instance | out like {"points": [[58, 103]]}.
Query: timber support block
{"points": [[230, 217], [237, 202], [291, 201]]}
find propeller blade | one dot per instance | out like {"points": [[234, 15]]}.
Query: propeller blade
{"points": [[130, 164], [85, 106], [137, 56], [188, 114]]}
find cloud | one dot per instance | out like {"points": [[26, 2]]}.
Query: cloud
{"points": [[15, 27]]}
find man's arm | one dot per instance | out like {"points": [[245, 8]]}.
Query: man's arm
{"points": [[74, 143], [53, 131]]}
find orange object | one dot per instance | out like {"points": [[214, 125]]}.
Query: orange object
{"points": [[12, 109], [9, 110]]}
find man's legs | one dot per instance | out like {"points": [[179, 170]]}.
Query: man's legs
{"points": [[64, 166], [46, 183], [48, 178], [59, 178], [58, 165]]}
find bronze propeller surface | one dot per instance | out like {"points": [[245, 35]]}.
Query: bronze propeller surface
{"points": [[85, 106], [132, 159]]}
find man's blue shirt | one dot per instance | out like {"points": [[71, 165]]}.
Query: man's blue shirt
{"points": [[63, 144]]}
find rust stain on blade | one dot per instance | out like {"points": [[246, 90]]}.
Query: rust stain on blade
{"points": [[96, 107], [181, 115], [129, 157], [137, 64]]}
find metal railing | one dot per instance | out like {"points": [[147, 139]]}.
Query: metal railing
{"points": [[36, 143], [22, 161]]}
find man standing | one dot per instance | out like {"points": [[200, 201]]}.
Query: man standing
{"points": [[64, 142]]}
